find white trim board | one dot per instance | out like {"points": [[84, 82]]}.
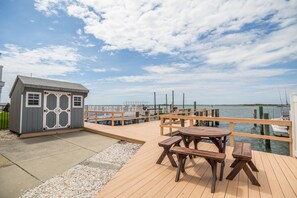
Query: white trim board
{"points": [[21, 113]]}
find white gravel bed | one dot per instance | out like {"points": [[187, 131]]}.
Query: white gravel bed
{"points": [[7, 135], [89, 177]]}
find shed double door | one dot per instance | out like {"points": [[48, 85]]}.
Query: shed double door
{"points": [[56, 110]]}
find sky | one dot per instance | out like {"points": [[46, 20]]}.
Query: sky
{"points": [[216, 52]]}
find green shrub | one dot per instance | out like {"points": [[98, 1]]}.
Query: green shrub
{"points": [[4, 120]]}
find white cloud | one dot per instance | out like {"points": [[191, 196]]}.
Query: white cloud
{"points": [[231, 45], [166, 69], [39, 62], [102, 69], [79, 31], [215, 32], [166, 74], [115, 69], [99, 70], [51, 28]]}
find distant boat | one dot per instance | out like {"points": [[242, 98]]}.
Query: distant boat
{"points": [[282, 131]]}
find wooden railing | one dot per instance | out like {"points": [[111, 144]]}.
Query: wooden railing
{"points": [[122, 118], [231, 121]]}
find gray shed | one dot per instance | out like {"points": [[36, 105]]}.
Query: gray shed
{"points": [[39, 105]]}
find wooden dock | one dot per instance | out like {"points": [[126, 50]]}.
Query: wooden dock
{"points": [[142, 177], [119, 116]]}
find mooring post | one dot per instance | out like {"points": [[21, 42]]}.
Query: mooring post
{"points": [[195, 107], [166, 103], [212, 115], [261, 117], [182, 122], [137, 116], [158, 112], [155, 104], [217, 114], [172, 105], [183, 100], [255, 115], [267, 132]]}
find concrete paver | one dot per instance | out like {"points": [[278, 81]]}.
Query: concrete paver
{"points": [[41, 158], [4, 161], [14, 181], [88, 140], [33, 148], [48, 167]]}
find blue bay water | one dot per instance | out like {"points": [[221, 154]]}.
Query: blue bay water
{"points": [[247, 112]]}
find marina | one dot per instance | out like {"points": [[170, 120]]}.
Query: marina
{"points": [[153, 99], [277, 173], [129, 116]]}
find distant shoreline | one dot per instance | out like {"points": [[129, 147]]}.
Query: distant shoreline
{"points": [[279, 105]]}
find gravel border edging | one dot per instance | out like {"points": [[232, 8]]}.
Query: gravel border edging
{"points": [[89, 177]]}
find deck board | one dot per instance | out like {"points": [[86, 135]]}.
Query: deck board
{"points": [[142, 177]]}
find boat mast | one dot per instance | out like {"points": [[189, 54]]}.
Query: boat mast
{"points": [[287, 103]]}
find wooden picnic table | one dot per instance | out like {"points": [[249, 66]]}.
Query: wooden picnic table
{"points": [[216, 135]]}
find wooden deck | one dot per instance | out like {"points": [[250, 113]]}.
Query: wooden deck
{"points": [[142, 177], [138, 133]]}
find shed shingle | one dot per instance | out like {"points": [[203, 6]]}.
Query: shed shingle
{"points": [[40, 83]]}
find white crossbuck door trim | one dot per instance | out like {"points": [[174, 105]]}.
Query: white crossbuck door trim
{"points": [[56, 110]]}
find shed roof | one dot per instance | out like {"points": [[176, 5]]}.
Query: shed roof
{"points": [[40, 83]]}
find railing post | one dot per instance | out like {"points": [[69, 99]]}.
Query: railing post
{"points": [[191, 122], [123, 121], [161, 126], [149, 115], [232, 136], [291, 141], [170, 126], [112, 119], [96, 117], [87, 115]]}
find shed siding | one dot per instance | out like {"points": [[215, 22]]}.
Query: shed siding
{"points": [[77, 115], [32, 116], [15, 108]]}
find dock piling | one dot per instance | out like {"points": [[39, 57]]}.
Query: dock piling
{"points": [[267, 132], [255, 116], [261, 117], [217, 114]]}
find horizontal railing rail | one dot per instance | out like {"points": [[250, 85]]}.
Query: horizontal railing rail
{"points": [[171, 125], [122, 117]]}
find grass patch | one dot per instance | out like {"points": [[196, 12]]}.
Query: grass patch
{"points": [[4, 120]]}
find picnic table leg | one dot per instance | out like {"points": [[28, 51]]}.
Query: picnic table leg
{"points": [[250, 175], [171, 159], [196, 141], [222, 170], [223, 143], [162, 156], [220, 144], [236, 170], [217, 143], [187, 141], [214, 176], [234, 163], [252, 165], [180, 166]]}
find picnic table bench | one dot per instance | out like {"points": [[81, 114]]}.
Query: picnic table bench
{"points": [[211, 157], [167, 144], [243, 156]]}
